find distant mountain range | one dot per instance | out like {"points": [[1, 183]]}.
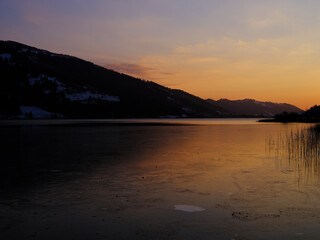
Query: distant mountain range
{"points": [[250, 107], [36, 83]]}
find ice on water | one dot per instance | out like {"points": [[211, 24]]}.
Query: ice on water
{"points": [[188, 208]]}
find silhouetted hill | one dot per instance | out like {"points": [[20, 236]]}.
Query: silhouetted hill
{"points": [[40, 84], [312, 115], [313, 112], [250, 107]]}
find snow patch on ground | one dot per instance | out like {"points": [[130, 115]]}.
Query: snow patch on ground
{"points": [[5, 56], [61, 87], [260, 103], [86, 95], [73, 95], [171, 99], [42, 78], [32, 81], [34, 112], [35, 51], [188, 208], [52, 79], [186, 109]]}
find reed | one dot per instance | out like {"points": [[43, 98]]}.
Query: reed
{"points": [[297, 149]]}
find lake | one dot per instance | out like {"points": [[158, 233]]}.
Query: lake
{"points": [[159, 179]]}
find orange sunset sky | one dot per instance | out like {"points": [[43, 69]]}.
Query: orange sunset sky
{"points": [[265, 50]]}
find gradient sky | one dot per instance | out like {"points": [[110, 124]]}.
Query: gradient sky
{"points": [[266, 50]]}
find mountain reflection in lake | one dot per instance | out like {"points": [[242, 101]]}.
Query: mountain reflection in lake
{"points": [[181, 179]]}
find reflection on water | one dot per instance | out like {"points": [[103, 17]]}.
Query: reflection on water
{"points": [[299, 149], [190, 180]]}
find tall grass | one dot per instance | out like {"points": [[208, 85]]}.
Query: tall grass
{"points": [[297, 149]]}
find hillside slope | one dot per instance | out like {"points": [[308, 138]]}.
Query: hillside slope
{"points": [[250, 107], [38, 83]]}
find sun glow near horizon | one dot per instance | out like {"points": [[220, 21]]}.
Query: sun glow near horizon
{"points": [[264, 69], [268, 51]]}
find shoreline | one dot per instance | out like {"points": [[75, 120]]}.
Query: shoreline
{"points": [[291, 120]]}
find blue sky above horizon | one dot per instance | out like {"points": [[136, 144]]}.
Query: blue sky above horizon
{"points": [[267, 50]]}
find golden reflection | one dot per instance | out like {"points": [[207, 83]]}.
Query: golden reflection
{"points": [[109, 178]]}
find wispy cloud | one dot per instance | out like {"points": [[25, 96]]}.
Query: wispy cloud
{"points": [[137, 70], [270, 19]]}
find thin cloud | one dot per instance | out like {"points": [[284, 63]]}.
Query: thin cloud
{"points": [[142, 71], [137, 70]]}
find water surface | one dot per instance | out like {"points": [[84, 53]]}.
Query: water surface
{"points": [[156, 179]]}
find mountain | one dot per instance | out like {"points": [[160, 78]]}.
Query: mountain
{"points": [[250, 107], [36, 83]]}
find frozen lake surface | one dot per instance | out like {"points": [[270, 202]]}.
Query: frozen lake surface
{"points": [[159, 179]]}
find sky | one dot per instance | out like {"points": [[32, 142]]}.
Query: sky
{"points": [[264, 50]]}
